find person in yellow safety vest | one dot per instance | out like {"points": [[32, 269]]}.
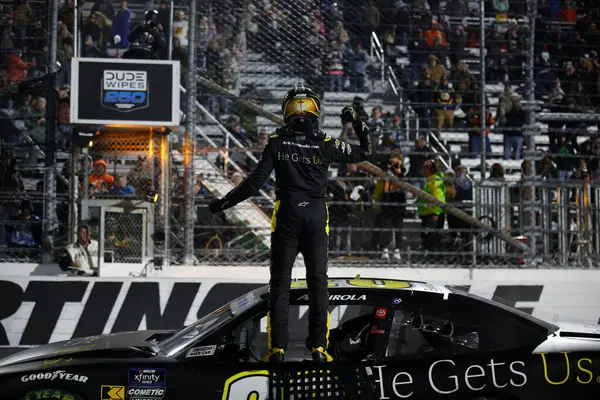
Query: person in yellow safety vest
{"points": [[432, 217]]}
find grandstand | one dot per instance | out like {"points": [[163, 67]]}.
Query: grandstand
{"points": [[253, 50]]}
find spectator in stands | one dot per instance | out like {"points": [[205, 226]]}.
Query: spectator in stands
{"points": [[403, 23], [548, 170], [91, 49], [497, 173], [445, 99], [580, 98], [457, 8], [436, 40], [238, 131], [63, 116], [432, 217], [568, 13], [338, 33], [179, 54], [338, 192], [121, 25], [544, 75], [140, 176], [396, 133], [460, 77], [122, 187], [507, 99], [34, 118], [458, 42], [27, 228], [434, 68], [513, 129], [64, 53], [422, 98], [565, 157], [102, 180], [164, 17], [582, 173], [371, 18], [496, 55], [335, 66], [66, 14], [357, 59], [376, 121], [98, 28], [418, 51], [180, 28], [570, 78], [475, 130], [23, 18], [419, 154], [81, 257], [17, 68], [460, 197], [390, 215], [105, 7]]}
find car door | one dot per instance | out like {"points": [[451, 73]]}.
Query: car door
{"points": [[462, 348], [229, 362]]}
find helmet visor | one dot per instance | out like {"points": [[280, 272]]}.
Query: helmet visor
{"points": [[299, 106]]}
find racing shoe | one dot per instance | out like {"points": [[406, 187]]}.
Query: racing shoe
{"points": [[319, 355], [275, 355]]}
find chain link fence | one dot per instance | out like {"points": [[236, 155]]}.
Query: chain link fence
{"points": [[121, 175], [414, 71]]}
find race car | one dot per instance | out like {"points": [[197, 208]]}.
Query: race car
{"points": [[390, 339]]}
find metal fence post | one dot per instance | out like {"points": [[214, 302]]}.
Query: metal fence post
{"points": [[188, 232], [482, 106], [530, 134], [170, 37], [50, 222]]}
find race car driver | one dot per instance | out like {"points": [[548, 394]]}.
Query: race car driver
{"points": [[301, 154]]}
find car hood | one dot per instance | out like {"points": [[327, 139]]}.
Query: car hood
{"points": [[114, 341], [571, 337], [584, 330]]}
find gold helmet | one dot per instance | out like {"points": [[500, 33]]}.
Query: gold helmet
{"points": [[300, 101]]}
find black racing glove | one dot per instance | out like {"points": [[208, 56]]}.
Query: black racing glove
{"points": [[218, 205], [349, 114]]}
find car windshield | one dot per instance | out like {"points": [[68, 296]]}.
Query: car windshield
{"points": [[500, 303], [209, 322]]}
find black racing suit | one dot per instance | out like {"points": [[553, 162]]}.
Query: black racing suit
{"points": [[300, 221], [147, 42]]}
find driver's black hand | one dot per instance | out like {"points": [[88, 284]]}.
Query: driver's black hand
{"points": [[349, 114], [218, 205]]}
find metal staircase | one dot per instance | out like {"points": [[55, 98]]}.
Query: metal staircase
{"points": [[246, 213]]}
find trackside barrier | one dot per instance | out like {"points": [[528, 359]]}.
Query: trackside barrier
{"points": [[568, 218]]}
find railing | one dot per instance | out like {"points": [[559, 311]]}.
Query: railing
{"points": [[378, 53]]}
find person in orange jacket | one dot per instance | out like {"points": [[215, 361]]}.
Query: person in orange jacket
{"points": [[435, 33], [17, 67]]}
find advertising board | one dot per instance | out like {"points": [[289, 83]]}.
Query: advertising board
{"points": [[125, 92]]}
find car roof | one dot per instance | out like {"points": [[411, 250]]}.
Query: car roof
{"points": [[358, 283]]}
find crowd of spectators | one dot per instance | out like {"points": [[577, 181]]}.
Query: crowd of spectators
{"points": [[331, 56]]}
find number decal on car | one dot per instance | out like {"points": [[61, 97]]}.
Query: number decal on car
{"points": [[378, 283], [247, 385]]}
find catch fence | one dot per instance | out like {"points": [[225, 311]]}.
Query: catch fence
{"points": [[533, 179]]}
